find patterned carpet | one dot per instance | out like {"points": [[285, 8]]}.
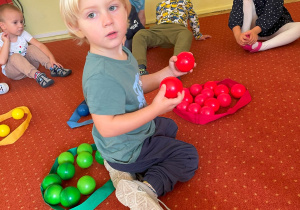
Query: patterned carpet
{"points": [[248, 160]]}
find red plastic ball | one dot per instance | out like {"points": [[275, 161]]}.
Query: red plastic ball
{"points": [[210, 85], [199, 99], [188, 98], [206, 110], [213, 103], [186, 91], [194, 108], [185, 61], [208, 92], [224, 99], [173, 86], [237, 90], [183, 106], [195, 89], [221, 89]]}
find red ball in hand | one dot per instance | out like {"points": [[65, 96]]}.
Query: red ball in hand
{"points": [[183, 106], [206, 110], [221, 89], [237, 90], [185, 61], [195, 89], [173, 86], [213, 103], [194, 108], [224, 99]]}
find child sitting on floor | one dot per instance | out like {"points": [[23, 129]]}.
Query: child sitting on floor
{"points": [[20, 60], [127, 132], [253, 20], [170, 30]]}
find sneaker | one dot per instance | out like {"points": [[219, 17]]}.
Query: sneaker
{"points": [[4, 88], [60, 72], [116, 175], [43, 80], [137, 195], [143, 72]]}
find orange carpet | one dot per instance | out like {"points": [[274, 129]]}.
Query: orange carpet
{"points": [[248, 160]]}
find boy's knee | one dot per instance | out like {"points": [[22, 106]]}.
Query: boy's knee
{"points": [[15, 57]]}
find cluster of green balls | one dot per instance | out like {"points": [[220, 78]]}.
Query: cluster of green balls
{"points": [[54, 193]]}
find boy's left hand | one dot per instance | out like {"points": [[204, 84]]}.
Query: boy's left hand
{"points": [[204, 37]]}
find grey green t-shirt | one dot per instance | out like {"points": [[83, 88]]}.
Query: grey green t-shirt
{"points": [[113, 87]]}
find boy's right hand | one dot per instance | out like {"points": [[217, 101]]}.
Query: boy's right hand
{"points": [[163, 104], [5, 37]]}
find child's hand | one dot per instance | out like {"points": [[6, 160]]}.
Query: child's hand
{"points": [[5, 37], [204, 37], [163, 104], [175, 71], [252, 37], [242, 39]]}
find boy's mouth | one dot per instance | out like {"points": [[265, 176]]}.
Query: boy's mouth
{"points": [[111, 34]]}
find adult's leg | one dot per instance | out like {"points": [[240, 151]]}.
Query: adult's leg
{"points": [[19, 67], [288, 33]]}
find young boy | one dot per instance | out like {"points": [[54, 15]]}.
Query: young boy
{"points": [[20, 60], [170, 30], [127, 132]]}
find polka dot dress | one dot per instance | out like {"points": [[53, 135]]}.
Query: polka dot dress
{"points": [[272, 15]]}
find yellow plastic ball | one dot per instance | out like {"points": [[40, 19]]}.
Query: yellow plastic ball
{"points": [[4, 130], [17, 113]]}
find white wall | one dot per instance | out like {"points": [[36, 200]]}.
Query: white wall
{"points": [[44, 22]]}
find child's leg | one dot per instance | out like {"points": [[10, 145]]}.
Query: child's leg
{"points": [[143, 39], [18, 67], [285, 35], [250, 15], [164, 159], [36, 57], [182, 40]]}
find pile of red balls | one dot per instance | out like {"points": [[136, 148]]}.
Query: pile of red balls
{"points": [[208, 98]]}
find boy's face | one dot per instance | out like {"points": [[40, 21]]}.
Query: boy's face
{"points": [[103, 23], [13, 22]]}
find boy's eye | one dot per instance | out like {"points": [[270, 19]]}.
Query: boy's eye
{"points": [[112, 8], [91, 15]]}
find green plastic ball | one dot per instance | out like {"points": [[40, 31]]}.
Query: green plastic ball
{"points": [[85, 147], [86, 185], [52, 194], [69, 196], [65, 157], [66, 171], [84, 159], [99, 157], [51, 179]]}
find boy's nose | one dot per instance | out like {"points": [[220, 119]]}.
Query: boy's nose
{"points": [[107, 20]]}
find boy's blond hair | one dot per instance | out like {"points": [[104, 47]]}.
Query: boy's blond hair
{"points": [[4, 7], [69, 10]]}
